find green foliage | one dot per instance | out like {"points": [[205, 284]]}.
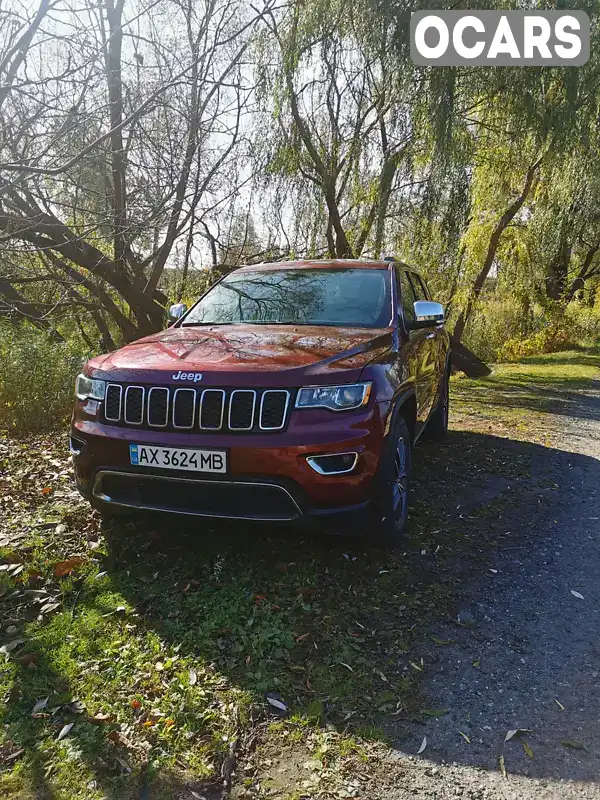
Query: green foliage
{"points": [[37, 377], [509, 329]]}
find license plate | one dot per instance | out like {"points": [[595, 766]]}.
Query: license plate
{"points": [[143, 455]]}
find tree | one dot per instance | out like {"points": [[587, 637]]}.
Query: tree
{"points": [[121, 153]]}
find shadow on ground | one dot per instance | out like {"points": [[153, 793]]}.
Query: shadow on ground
{"points": [[481, 504], [500, 532], [558, 384]]}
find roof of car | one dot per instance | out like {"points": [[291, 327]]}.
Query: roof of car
{"points": [[330, 263]]}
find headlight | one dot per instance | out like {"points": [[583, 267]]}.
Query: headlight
{"points": [[335, 398], [89, 388]]}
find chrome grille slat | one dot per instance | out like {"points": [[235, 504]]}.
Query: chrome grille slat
{"points": [[132, 405], [271, 414], [114, 392], [154, 408], [210, 409], [184, 412], [204, 412], [236, 409]]}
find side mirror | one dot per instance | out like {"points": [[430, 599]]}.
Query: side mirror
{"points": [[177, 311], [427, 315]]}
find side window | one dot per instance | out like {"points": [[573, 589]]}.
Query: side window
{"points": [[407, 296], [419, 287]]}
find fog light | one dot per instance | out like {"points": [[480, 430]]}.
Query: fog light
{"points": [[335, 464]]}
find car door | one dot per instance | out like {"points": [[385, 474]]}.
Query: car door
{"points": [[431, 349], [417, 349]]}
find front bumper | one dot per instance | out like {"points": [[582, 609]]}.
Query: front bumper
{"points": [[268, 478]]}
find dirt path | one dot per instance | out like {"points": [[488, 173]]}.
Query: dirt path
{"points": [[527, 654]]}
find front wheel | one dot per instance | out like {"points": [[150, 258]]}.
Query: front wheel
{"points": [[391, 504]]}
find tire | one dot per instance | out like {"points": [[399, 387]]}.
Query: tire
{"points": [[437, 424], [392, 494]]}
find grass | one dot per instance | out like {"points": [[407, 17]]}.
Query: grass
{"points": [[175, 641], [517, 397], [160, 640]]}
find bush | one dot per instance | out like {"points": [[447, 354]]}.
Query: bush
{"points": [[550, 340], [498, 320], [36, 379], [506, 330]]}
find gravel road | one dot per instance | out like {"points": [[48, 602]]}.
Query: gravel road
{"points": [[526, 649]]}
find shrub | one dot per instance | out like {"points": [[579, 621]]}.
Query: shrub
{"points": [[36, 379], [498, 320], [551, 339], [506, 330]]}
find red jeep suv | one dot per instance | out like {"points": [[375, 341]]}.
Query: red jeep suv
{"points": [[288, 391]]}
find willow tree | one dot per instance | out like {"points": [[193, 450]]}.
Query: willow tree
{"points": [[343, 133]]}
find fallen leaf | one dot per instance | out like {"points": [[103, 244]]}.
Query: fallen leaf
{"points": [[442, 642], [306, 591], [559, 704], [193, 677], [302, 637], [277, 703], [159, 666], [64, 731], [136, 705], [502, 766], [343, 664], [435, 712], [66, 567], [117, 738], [124, 764], [423, 746], [313, 764], [39, 704], [477, 663], [574, 744], [515, 732], [576, 594], [416, 666], [13, 756], [47, 490], [100, 718], [527, 749], [10, 646], [465, 737], [28, 659], [48, 608]]}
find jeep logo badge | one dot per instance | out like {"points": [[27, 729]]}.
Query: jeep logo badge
{"points": [[188, 376]]}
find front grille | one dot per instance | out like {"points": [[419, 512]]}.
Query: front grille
{"points": [[183, 408]]}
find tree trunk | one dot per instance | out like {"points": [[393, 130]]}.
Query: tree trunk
{"points": [[583, 274], [556, 280], [495, 237]]}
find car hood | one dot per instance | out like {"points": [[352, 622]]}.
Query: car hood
{"points": [[234, 354]]}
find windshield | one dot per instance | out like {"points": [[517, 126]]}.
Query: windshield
{"points": [[348, 297]]}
